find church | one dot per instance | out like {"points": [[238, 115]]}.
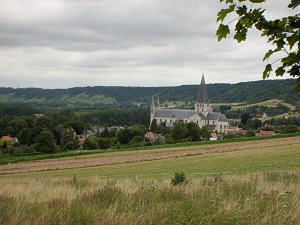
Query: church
{"points": [[202, 115]]}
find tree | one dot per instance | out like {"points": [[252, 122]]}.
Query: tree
{"points": [[89, 144], [153, 125], [124, 136], [193, 131], [179, 131], [283, 33], [205, 132], [290, 129], [105, 143], [45, 142], [244, 118], [158, 140]]}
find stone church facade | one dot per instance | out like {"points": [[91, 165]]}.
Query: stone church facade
{"points": [[202, 115]]}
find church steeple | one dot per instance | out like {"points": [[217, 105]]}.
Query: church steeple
{"points": [[203, 103], [203, 95], [158, 103]]}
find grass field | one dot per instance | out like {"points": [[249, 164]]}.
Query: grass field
{"points": [[253, 182]]}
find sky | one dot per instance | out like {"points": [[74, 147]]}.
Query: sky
{"points": [[70, 43]]}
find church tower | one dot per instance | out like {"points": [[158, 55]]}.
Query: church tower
{"points": [[152, 112], [203, 104]]}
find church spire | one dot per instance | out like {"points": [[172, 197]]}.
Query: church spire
{"points": [[203, 95], [158, 103], [152, 103]]}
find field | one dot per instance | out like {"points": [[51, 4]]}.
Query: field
{"points": [[253, 182]]}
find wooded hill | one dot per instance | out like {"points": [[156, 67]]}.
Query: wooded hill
{"points": [[116, 96]]}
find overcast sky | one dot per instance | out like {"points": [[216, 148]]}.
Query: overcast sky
{"points": [[68, 43]]}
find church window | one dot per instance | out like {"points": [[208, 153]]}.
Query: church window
{"points": [[161, 120], [220, 126], [213, 122], [171, 121]]}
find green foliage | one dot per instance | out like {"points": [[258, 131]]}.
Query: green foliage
{"points": [[205, 133], [194, 131], [105, 143], [179, 130], [45, 142], [283, 33], [90, 144], [290, 129], [158, 140], [178, 178]]}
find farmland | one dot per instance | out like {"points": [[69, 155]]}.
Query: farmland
{"points": [[253, 182]]}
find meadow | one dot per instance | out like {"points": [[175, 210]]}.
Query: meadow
{"points": [[245, 183]]}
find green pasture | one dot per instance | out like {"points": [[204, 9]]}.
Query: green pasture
{"points": [[241, 161], [268, 103]]}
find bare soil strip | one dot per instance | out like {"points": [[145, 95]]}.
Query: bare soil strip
{"points": [[54, 164]]}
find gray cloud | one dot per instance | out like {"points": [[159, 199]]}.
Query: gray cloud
{"points": [[63, 43]]}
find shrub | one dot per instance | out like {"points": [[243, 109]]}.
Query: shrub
{"points": [[179, 178]]}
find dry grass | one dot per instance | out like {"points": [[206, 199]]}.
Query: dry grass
{"points": [[269, 198]]}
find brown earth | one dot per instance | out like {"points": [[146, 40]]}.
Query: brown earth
{"points": [[54, 164]]}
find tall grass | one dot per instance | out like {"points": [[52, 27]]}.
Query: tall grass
{"points": [[270, 198]]}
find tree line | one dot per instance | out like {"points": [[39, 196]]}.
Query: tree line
{"points": [[123, 97]]}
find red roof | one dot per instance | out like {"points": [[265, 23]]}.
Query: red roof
{"points": [[151, 134], [214, 135], [266, 133], [7, 138]]}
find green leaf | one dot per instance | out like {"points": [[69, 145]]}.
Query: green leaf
{"points": [[294, 3], [267, 71], [268, 54], [222, 31], [292, 40], [223, 13], [280, 71], [241, 35]]}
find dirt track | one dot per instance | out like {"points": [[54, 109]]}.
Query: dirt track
{"points": [[53, 164]]}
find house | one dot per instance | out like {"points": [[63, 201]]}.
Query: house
{"points": [[266, 133], [213, 137], [9, 139], [149, 136], [236, 130], [202, 114], [86, 134]]}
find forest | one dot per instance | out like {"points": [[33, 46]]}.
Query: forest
{"points": [[109, 96]]}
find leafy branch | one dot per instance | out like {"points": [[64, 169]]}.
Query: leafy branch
{"points": [[283, 33]]}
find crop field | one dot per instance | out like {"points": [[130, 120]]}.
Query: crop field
{"points": [[253, 182]]}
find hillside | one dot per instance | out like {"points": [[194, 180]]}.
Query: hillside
{"points": [[248, 92]]}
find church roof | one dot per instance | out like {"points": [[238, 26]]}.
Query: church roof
{"points": [[176, 113], [203, 95], [213, 116], [223, 118], [185, 114]]}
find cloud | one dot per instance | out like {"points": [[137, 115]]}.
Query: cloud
{"points": [[64, 43]]}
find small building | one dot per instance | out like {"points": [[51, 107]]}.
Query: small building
{"points": [[9, 139], [213, 137], [149, 136], [266, 133]]}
